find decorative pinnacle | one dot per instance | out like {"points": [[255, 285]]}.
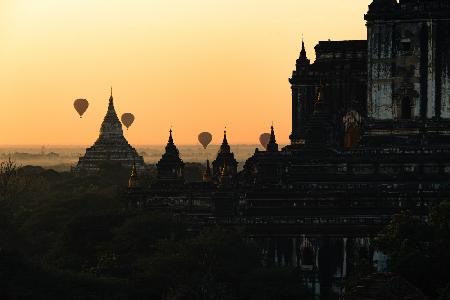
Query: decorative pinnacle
{"points": [[170, 135], [225, 141], [111, 96]]}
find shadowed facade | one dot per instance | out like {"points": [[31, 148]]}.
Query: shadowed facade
{"points": [[370, 138]]}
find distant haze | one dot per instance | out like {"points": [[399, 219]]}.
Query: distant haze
{"points": [[196, 65], [62, 158]]}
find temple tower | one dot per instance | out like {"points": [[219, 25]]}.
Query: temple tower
{"points": [[408, 59], [225, 163], [170, 166], [342, 67], [272, 146], [110, 148]]}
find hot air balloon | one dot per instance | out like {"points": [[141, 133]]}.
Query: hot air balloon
{"points": [[81, 105], [205, 138], [264, 139], [127, 119]]}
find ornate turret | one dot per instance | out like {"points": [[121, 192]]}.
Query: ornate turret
{"points": [[272, 146], [110, 149], [224, 148], [303, 60], [224, 158], [170, 166]]}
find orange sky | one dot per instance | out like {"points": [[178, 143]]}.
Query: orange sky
{"points": [[198, 65]]}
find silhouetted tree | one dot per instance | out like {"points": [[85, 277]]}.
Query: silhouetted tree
{"points": [[418, 249]]}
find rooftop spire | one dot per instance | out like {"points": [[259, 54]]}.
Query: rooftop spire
{"points": [[225, 141], [303, 59], [272, 146], [171, 149], [170, 136], [224, 148], [111, 125], [303, 51], [170, 166]]}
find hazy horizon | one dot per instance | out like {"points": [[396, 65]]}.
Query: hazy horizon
{"points": [[195, 65]]}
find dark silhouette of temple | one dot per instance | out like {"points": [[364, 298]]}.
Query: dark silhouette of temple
{"points": [[370, 137], [340, 66], [110, 148]]}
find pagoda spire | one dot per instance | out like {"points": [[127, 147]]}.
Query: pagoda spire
{"points": [[303, 60], [224, 158], [272, 146], [111, 125], [170, 166], [110, 146], [171, 148], [303, 51], [170, 137], [225, 141], [225, 147]]}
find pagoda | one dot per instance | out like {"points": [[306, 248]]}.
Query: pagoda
{"points": [[111, 148], [170, 166], [225, 165]]}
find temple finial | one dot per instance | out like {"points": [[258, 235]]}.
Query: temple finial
{"points": [[225, 141], [224, 148], [111, 96], [170, 135], [303, 51], [272, 146]]}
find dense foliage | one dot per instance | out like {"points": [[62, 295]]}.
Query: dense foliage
{"points": [[419, 249], [68, 237]]}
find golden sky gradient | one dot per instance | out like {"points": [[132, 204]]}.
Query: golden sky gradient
{"points": [[198, 65]]}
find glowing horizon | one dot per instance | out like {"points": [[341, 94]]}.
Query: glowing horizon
{"points": [[195, 65]]}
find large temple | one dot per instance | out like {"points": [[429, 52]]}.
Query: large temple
{"points": [[370, 138], [110, 148]]}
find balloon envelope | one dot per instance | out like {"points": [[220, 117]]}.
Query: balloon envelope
{"points": [[264, 139], [127, 119], [81, 105], [205, 138]]}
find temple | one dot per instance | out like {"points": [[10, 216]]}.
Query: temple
{"points": [[340, 66], [370, 138], [111, 148]]}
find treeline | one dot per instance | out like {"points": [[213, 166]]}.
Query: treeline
{"points": [[67, 237]]}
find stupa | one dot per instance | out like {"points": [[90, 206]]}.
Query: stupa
{"points": [[111, 147]]}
